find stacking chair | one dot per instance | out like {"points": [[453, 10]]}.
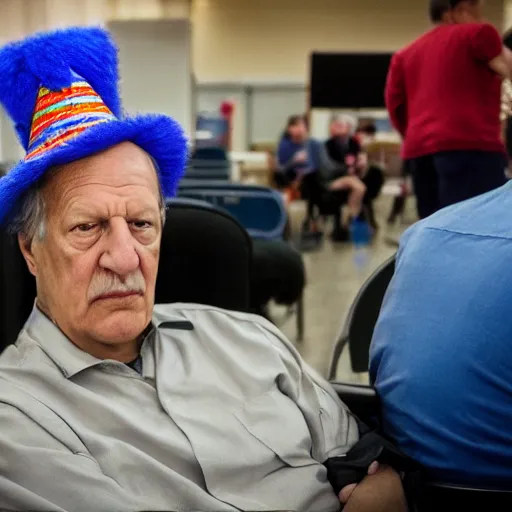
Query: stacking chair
{"points": [[259, 209], [208, 170], [209, 164], [197, 184], [212, 153], [362, 317], [205, 257]]}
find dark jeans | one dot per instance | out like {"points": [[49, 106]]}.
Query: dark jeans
{"points": [[318, 196], [449, 177], [373, 180]]}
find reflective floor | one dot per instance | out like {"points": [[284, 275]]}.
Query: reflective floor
{"points": [[335, 273]]}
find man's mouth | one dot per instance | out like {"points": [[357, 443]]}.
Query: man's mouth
{"points": [[118, 295]]}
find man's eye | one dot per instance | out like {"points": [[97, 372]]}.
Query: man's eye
{"points": [[141, 224], [84, 228]]}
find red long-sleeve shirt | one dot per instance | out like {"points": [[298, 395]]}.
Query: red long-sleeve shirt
{"points": [[441, 94]]}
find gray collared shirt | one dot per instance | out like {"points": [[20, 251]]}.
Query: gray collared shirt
{"points": [[224, 417]]}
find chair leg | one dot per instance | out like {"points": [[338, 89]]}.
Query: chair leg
{"points": [[338, 349], [300, 318]]}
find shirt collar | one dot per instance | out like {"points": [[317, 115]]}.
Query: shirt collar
{"points": [[58, 347]]}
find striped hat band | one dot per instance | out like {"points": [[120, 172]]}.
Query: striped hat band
{"points": [[62, 115]]}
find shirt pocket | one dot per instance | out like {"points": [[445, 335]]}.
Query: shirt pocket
{"points": [[276, 422]]}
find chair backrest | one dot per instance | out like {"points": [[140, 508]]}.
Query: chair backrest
{"points": [[194, 184], [259, 209], [364, 313], [201, 163], [208, 170], [17, 290], [211, 153], [205, 258]]}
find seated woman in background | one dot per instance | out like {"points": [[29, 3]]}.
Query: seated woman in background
{"points": [[303, 163], [292, 155]]}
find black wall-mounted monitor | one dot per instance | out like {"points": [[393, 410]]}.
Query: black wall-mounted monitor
{"points": [[348, 80]]}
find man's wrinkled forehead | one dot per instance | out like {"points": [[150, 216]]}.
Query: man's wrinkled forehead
{"points": [[124, 170]]}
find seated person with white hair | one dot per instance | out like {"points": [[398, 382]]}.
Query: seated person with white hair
{"points": [[342, 141], [108, 402], [345, 150]]}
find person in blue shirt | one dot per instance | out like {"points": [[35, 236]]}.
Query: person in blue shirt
{"points": [[304, 162], [441, 355]]}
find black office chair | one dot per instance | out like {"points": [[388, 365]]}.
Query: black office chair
{"points": [[17, 290], [362, 317], [205, 258]]}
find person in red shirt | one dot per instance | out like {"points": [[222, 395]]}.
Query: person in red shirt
{"points": [[443, 95]]}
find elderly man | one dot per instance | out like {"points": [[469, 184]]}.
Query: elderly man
{"points": [[342, 142], [107, 403]]}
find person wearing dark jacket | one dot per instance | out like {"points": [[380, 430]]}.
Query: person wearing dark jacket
{"points": [[342, 141], [345, 150]]}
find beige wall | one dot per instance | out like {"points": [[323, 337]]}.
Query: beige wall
{"points": [[507, 14], [272, 39], [21, 17], [248, 39]]}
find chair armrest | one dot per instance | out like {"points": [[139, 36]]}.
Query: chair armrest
{"points": [[362, 401]]}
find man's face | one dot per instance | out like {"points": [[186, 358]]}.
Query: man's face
{"points": [[339, 129], [97, 262]]}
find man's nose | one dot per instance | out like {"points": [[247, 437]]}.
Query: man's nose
{"points": [[120, 254]]}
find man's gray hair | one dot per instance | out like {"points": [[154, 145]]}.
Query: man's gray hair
{"points": [[351, 121], [29, 221], [30, 218]]}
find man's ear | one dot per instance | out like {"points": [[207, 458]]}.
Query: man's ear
{"points": [[26, 250]]}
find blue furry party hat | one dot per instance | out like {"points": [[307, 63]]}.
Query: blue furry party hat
{"points": [[61, 91]]}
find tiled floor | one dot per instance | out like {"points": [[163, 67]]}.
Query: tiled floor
{"points": [[334, 278]]}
